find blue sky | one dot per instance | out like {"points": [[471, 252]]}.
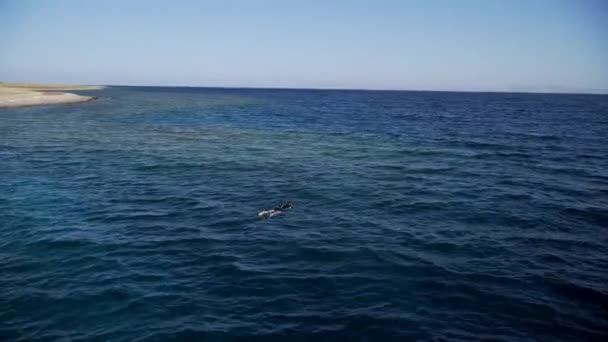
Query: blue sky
{"points": [[479, 45]]}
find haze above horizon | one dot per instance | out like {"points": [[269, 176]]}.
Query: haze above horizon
{"points": [[471, 45]]}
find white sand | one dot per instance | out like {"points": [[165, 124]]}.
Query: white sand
{"points": [[16, 95]]}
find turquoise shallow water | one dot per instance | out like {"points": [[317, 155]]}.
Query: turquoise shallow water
{"points": [[418, 215]]}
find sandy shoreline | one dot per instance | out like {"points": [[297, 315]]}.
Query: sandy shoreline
{"points": [[32, 94]]}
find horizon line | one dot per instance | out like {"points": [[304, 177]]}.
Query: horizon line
{"points": [[582, 92], [547, 92]]}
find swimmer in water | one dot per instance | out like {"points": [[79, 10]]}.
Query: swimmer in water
{"points": [[276, 211]]}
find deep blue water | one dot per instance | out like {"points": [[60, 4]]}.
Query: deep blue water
{"points": [[418, 216]]}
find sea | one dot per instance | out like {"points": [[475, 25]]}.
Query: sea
{"points": [[417, 216]]}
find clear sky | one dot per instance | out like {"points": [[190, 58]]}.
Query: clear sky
{"points": [[485, 45]]}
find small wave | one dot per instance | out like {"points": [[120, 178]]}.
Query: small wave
{"points": [[170, 167], [135, 216], [577, 292], [593, 214]]}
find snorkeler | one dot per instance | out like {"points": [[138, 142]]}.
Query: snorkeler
{"points": [[276, 211]]}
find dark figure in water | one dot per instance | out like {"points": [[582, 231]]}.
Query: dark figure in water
{"points": [[276, 211], [287, 205]]}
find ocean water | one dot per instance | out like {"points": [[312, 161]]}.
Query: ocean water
{"points": [[418, 216]]}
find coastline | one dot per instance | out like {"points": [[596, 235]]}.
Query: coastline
{"points": [[14, 95]]}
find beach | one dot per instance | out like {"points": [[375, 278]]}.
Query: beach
{"points": [[33, 94]]}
